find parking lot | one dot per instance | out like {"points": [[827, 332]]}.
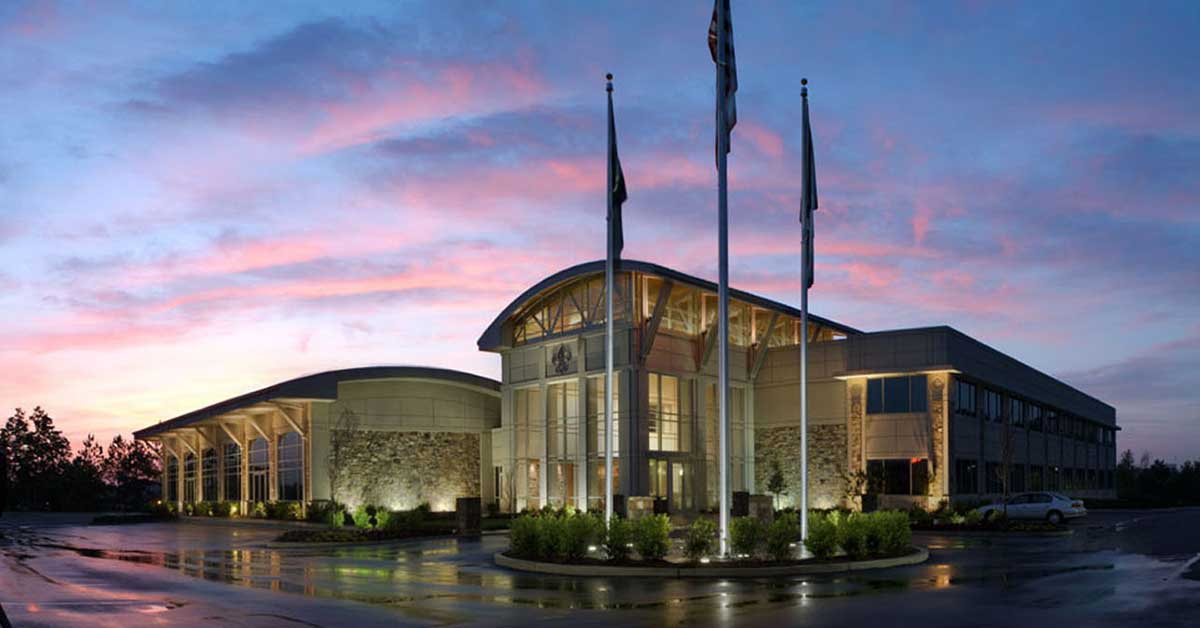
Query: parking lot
{"points": [[1119, 567]]}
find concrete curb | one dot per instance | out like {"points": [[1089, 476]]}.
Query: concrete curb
{"points": [[917, 556], [268, 524], [999, 535]]}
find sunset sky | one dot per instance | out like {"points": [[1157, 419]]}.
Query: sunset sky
{"points": [[199, 199]]}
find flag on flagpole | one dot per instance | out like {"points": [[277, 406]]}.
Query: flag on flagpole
{"points": [[725, 59], [616, 184], [808, 197]]}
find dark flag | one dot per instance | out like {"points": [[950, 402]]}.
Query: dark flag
{"points": [[808, 196], [722, 19], [616, 183]]}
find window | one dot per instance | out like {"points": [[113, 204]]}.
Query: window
{"points": [[233, 472], [993, 478], [575, 306], [595, 412], [189, 478], [1053, 478], [898, 477], [668, 431], [1016, 412], [260, 468], [991, 406], [208, 475], [966, 476], [291, 467], [562, 419], [890, 395], [1016, 478], [1035, 478], [172, 478], [1034, 417], [964, 398]]}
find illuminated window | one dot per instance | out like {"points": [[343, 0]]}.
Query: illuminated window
{"points": [[595, 412], [577, 305], [208, 475], [172, 478], [291, 467], [189, 478], [260, 470], [233, 472], [668, 431], [562, 419]]}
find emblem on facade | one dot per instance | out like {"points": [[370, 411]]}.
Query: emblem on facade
{"points": [[561, 359]]}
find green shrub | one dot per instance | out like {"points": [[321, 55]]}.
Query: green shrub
{"points": [[780, 536], [617, 539], [523, 536], [746, 535], [852, 535], [700, 539], [222, 509], [972, 517], [370, 517], [957, 519], [578, 532], [160, 508], [822, 538], [202, 509], [423, 509], [894, 532], [189, 508], [651, 536], [918, 516], [407, 521], [258, 510], [325, 511]]}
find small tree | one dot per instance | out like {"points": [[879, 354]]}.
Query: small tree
{"points": [[775, 483]]}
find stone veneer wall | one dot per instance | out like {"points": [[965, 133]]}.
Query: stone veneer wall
{"points": [[826, 464], [400, 470]]}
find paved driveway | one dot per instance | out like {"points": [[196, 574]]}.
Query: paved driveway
{"points": [[1129, 567]]}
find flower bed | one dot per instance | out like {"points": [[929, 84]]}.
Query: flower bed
{"points": [[965, 518]]}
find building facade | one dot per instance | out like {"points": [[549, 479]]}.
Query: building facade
{"points": [[913, 416]]}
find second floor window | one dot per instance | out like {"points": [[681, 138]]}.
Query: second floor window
{"points": [[964, 398], [888, 395]]}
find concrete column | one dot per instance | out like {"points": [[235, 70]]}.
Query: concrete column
{"points": [[162, 456], [245, 506], [544, 462]]}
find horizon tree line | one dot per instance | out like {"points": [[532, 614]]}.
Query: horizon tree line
{"points": [[44, 473]]}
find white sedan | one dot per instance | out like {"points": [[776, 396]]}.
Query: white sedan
{"points": [[1052, 507]]}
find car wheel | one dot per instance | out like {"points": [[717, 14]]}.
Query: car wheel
{"points": [[1054, 517]]}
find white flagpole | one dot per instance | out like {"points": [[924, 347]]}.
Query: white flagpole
{"points": [[608, 331], [805, 273], [723, 285], [804, 270]]}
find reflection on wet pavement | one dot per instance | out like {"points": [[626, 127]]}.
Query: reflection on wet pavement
{"points": [[452, 580]]}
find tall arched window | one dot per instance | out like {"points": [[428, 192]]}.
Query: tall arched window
{"points": [[189, 478], [260, 470], [233, 472], [208, 475], [291, 467], [172, 478]]}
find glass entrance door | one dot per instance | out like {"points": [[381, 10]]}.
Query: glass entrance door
{"points": [[681, 487]]}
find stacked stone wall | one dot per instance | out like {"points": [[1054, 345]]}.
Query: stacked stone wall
{"points": [[400, 470], [826, 462]]}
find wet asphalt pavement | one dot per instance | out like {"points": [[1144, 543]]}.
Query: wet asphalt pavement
{"points": [[1132, 568]]}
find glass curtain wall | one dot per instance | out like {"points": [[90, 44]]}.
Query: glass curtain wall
{"points": [[562, 421], [595, 445], [208, 475], [189, 477], [528, 426]]}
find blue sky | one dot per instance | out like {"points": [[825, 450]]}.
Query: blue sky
{"points": [[196, 200]]}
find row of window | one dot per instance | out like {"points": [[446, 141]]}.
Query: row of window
{"points": [[1022, 413], [889, 395], [670, 416], [1027, 478], [289, 475]]}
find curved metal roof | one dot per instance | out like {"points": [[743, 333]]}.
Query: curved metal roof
{"points": [[492, 336], [319, 386]]}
